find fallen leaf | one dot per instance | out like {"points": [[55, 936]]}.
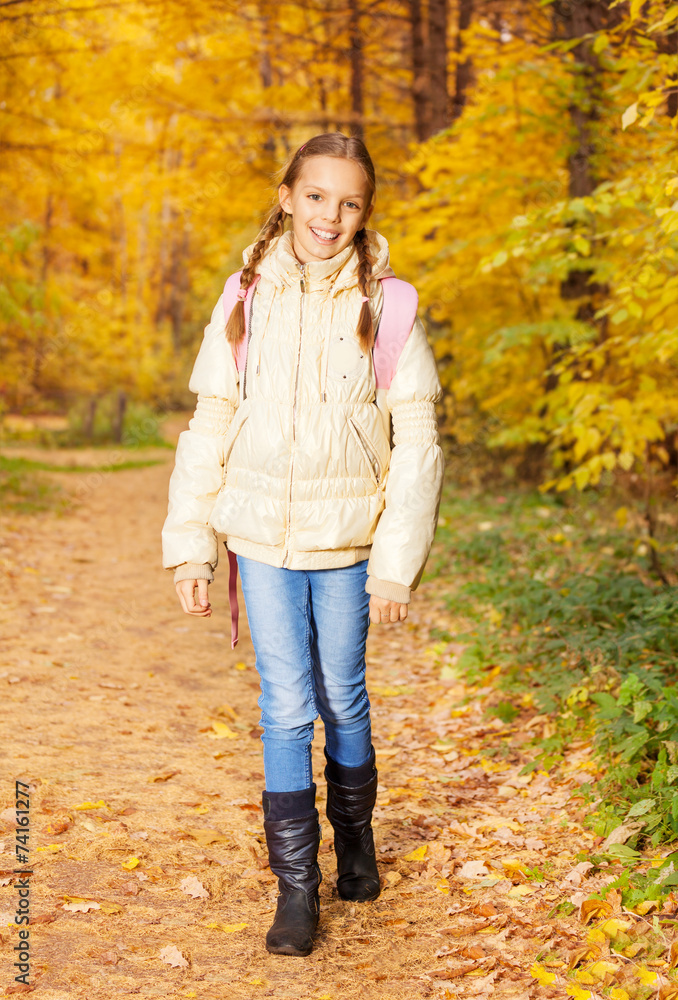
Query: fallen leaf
{"points": [[611, 928], [194, 887], [417, 854], [82, 906], [222, 732], [92, 805], [472, 869], [575, 991], [621, 834], [171, 955], [646, 976], [205, 837], [593, 909], [542, 975], [521, 890], [130, 864], [164, 777], [108, 907]]}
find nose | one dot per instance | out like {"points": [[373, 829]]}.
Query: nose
{"points": [[332, 213]]}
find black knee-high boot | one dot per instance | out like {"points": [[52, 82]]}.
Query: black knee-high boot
{"points": [[293, 837], [349, 810]]}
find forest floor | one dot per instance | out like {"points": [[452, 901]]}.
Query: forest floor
{"points": [[136, 728]]}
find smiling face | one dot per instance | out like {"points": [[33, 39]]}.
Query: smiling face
{"points": [[328, 204]]}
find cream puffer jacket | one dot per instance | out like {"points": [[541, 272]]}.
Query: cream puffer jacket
{"points": [[304, 464]]}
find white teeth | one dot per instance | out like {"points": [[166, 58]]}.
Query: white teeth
{"points": [[324, 235]]}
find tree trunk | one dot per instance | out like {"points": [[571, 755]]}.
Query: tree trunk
{"points": [[119, 415], [463, 72], [265, 67], [577, 20], [420, 82], [357, 57], [90, 414], [437, 53]]}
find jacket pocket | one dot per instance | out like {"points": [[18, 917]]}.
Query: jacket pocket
{"points": [[230, 444], [368, 450]]}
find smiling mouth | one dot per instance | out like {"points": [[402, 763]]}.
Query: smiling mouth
{"points": [[324, 235]]}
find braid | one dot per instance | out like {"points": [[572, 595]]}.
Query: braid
{"points": [[274, 226], [365, 329]]}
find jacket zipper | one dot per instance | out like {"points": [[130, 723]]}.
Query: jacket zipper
{"points": [[302, 283], [370, 455], [249, 335]]}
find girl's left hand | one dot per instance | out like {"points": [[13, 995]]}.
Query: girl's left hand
{"points": [[383, 612]]}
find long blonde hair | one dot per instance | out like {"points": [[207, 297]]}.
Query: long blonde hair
{"points": [[326, 144]]}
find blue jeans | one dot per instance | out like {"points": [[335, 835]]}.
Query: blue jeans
{"points": [[309, 631]]}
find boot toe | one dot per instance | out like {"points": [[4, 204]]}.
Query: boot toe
{"points": [[358, 889], [295, 922]]}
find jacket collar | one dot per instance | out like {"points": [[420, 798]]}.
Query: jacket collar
{"points": [[281, 266]]}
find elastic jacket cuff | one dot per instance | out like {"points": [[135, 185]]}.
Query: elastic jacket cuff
{"points": [[193, 571], [389, 591]]}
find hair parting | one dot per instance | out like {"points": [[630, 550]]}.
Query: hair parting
{"points": [[325, 144]]}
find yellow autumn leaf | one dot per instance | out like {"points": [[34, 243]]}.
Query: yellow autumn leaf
{"points": [[107, 907], [92, 805], [418, 854], [611, 928], [630, 115], [594, 908], [542, 975], [443, 886], [51, 848], [596, 936], [130, 864], [645, 906], [521, 890], [222, 732], [600, 969], [619, 994], [646, 976], [575, 991]]}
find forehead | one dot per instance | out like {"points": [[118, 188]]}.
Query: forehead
{"points": [[334, 174]]}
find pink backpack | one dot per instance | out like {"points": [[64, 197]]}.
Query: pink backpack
{"points": [[397, 318]]}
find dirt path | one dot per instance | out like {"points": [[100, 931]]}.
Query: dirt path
{"points": [[137, 728]]}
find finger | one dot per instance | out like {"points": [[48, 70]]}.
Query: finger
{"points": [[377, 611], [186, 590], [182, 597], [203, 598], [403, 612]]}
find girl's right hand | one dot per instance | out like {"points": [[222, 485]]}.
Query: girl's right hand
{"points": [[186, 592]]}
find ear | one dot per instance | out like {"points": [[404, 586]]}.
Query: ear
{"points": [[284, 198], [368, 213]]}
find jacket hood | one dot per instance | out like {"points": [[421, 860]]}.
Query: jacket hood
{"points": [[280, 264]]}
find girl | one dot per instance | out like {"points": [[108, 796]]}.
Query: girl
{"points": [[327, 489]]}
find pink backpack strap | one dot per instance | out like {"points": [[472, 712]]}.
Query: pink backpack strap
{"points": [[229, 299], [233, 596], [398, 313]]}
